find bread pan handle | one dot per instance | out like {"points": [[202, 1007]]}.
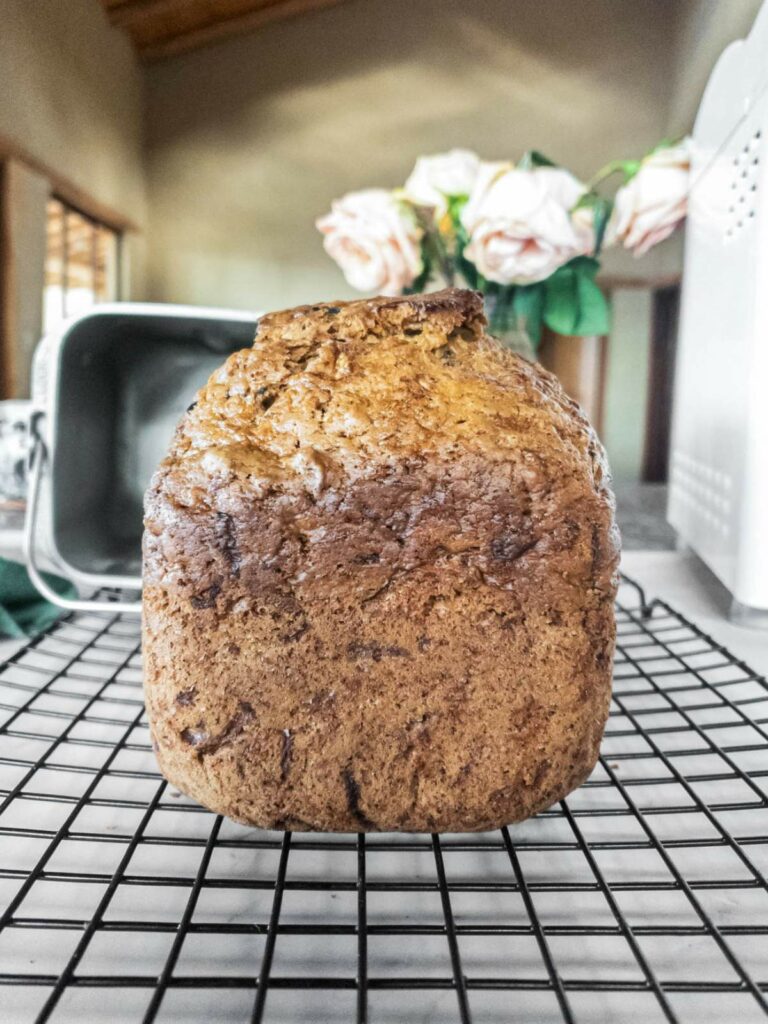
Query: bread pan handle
{"points": [[38, 461]]}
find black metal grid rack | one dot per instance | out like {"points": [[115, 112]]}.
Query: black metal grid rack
{"points": [[642, 897]]}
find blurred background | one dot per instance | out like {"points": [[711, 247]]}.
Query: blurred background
{"points": [[180, 151]]}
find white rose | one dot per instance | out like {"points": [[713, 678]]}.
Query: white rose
{"points": [[374, 240], [521, 227], [488, 173], [654, 202], [567, 190], [434, 178]]}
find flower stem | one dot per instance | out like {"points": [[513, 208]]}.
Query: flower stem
{"points": [[442, 256], [435, 244], [614, 167]]}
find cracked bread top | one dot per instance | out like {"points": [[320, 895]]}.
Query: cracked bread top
{"points": [[328, 389], [395, 415]]}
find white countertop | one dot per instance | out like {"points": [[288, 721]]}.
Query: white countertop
{"points": [[684, 582]]}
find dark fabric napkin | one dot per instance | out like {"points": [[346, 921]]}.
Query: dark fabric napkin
{"points": [[23, 612]]}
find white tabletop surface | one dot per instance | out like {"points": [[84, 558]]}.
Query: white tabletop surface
{"points": [[683, 581], [9, 647]]}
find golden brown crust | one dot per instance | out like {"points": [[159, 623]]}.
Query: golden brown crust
{"points": [[380, 563]]}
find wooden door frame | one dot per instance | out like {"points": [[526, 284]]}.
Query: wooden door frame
{"points": [[6, 287], [65, 189], [13, 362], [661, 377]]}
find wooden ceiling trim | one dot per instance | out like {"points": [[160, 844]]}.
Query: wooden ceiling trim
{"points": [[164, 28], [177, 16]]}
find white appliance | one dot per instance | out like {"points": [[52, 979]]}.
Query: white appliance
{"points": [[718, 499]]}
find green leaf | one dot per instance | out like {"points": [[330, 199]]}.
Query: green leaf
{"points": [[455, 205], [420, 282], [574, 303], [467, 270], [561, 308], [601, 212], [629, 169], [532, 159], [582, 265], [594, 317], [528, 305]]}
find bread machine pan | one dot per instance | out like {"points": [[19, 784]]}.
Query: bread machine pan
{"points": [[107, 392]]}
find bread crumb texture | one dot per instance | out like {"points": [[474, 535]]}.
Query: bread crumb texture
{"points": [[380, 561]]}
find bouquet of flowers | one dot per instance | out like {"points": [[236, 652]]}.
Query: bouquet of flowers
{"points": [[527, 235]]}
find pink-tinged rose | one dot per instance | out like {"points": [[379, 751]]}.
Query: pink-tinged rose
{"points": [[488, 173], [654, 202], [375, 241], [437, 178], [522, 227], [567, 190]]}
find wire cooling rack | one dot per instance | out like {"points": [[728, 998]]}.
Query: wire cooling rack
{"points": [[641, 897]]}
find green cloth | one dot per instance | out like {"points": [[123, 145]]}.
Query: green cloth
{"points": [[23, 612]]}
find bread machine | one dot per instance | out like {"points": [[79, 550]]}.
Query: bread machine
{"points": [[718, 499]]}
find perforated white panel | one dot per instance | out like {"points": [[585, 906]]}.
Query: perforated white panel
{"points": [[744, 181], [719, 460]]}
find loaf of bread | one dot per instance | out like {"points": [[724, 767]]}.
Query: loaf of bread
{"points": [[379, 570]]}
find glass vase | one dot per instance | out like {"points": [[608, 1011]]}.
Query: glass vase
{"points": [[508, 328]]}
